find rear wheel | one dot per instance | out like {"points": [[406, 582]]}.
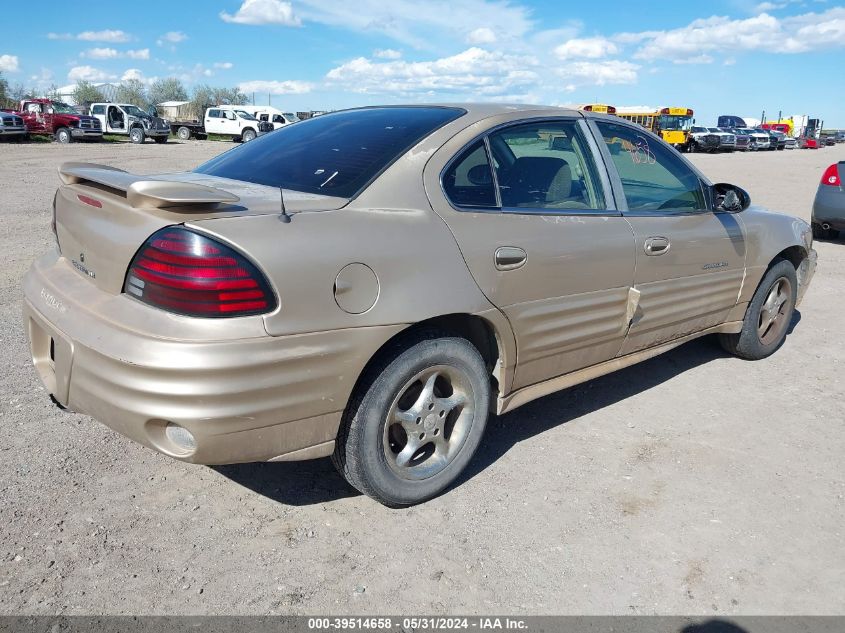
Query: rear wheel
{"points": [[63, 135], [768, 315], [183, 133], [415, 420], [136, 135]]}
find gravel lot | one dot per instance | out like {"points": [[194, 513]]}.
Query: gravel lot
{"points": [[695, 483]]}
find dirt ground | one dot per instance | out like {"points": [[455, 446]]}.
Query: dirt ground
{"points": [[695, 483]]}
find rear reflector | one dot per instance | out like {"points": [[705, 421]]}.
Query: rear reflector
{"points": [[187, 273], [831, 176], [90, 201]]}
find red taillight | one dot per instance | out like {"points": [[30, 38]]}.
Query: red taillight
{"points": [[831, 176], [188, 273]]}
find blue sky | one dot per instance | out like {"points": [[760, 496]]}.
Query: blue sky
{"points": [[723, 57]]}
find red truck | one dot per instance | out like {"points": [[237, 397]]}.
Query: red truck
{"points": [[59, 120]]}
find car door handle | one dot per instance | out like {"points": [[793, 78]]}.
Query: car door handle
{"points": [[657, 245], [509, 257]]}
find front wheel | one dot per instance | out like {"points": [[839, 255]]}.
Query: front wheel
{"points": [[248, 135], [415, 420], [64, 136], [136, 135], [768, 315]]}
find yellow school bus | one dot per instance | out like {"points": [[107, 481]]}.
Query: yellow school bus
{"points": [[598, 107], [671, 124]]}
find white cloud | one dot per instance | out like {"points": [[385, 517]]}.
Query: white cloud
{"points": [[112, 53], [100, 53], [432, 25], [88, 73], [387, 53], [172, 38], [9, 63], [223, 65], [132, 73], [611, 71], [481, 35], [475, 71], [276, 87], [109, 35], [257, 12], [764, 32], [588, 48]]}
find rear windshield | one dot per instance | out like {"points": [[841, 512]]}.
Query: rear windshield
{"points": [[335, 154]]}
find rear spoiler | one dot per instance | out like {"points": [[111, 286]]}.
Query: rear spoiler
{"points": [[145, 192]]}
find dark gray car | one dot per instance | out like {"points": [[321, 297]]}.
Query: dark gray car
{"points": [[829, 205]]}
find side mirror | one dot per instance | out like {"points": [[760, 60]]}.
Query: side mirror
{"points": [[480, 175], [730, 198]]}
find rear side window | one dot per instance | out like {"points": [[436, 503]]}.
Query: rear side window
{"points": [[335, 154], [545, 165]]}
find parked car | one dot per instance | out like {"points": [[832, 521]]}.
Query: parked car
{"points": [[790, 142], [829, 140], [225, 120], [701, 139], [370, 283], [742, 140], [760, 139], [829, 205], [777, 139], [275, 117], [12, 126], [727, 140], [126, 119], [59, 120]]}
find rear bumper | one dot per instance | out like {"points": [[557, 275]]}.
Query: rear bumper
{"points": [[829, 207], [251, 398]]}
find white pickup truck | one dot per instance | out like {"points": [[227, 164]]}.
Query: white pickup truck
{"points": [[234, 121]]}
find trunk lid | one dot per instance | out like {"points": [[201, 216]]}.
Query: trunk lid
{"points": [[103, 214]]}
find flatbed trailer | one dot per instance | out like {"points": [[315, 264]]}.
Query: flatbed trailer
{"points": [[185, 130]]}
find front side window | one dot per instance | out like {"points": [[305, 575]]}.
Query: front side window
{"points": [[545, 165], [98, 109], [653, 178]]}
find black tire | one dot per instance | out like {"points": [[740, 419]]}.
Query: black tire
{"points": [[184, 133], [749, 343], [693, 147], [161, 140], [369, 445], [64, 136], [136, 135], [248, 135]]}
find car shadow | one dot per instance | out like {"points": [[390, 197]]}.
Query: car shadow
{"points": [[713, 626], [317, 481]]}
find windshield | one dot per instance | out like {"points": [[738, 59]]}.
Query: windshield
{"points": [[290, 116], [245, 115], [63, 108], [699, 129], [133, 110], [335, 154], [673, 122], [714, 129]]}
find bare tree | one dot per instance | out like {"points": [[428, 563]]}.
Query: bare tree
{"points": [[167, 89], [132, 91], [86, 93]]}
